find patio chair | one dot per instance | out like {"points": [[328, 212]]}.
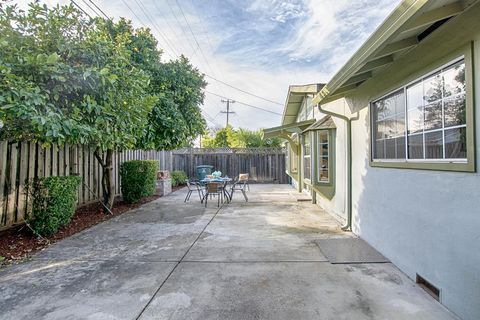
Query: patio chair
{"points": [[214, 189], [244, 177], [192, 187], [239, 185]]}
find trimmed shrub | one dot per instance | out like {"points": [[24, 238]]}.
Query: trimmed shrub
{"points": [[53, 203], [178, 178], [138, 179]]}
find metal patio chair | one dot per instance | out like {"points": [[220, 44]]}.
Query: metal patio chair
{"points": [[192, 187], [244, 177], [239, 185], [214, 189]]}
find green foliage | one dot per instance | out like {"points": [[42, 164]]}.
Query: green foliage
{"points": [[138, 179], [176, 118], [53, 203], [178, 178], [63, 78], [241, 138], [66, 78]]}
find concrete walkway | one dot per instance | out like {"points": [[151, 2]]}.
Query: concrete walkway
{"points": [[170, 260]]}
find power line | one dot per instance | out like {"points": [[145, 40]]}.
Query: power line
{"points": [[154, 25], [104, 14], [141, 22], [81, 9], [245, 104], [195, 39], [88, 5], [249, 93], [143, 9]]}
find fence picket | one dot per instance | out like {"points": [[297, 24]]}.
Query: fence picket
{"points": [[3, 174], [12, 185], [21, 183]]}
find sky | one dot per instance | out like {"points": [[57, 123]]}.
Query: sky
{"points": [[258, 46]]}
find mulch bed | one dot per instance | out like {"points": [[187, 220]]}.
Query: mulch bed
{"points": [[19, 243]]}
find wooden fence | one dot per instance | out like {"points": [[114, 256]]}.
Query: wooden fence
{"points": [[265, 165], [22, 161]]}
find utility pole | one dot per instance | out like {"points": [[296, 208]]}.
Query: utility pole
{"points": [[228, 101]]}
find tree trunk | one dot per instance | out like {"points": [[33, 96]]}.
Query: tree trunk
{"points": [[108, 186]]}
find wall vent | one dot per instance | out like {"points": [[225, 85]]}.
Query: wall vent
{"points": [[427, 286]]}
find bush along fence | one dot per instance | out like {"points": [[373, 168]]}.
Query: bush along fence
{"points": [[138, 179], [23, 161]]}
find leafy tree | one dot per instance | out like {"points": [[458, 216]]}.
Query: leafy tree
{"points": [[68, 79], [241, 138], [176, 118]]}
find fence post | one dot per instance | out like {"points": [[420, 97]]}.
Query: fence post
{"points": [[191, 169]]}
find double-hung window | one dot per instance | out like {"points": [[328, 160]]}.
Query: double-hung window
{"points": [[425, 121]]}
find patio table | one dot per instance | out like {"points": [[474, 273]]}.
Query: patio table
{"points": [[223, 180]]}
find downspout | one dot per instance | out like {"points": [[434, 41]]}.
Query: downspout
{"points": [[348, 121]]}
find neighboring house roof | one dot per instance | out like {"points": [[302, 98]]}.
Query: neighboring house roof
{"points": [[408, 25], [296, 94], [324, 123]]}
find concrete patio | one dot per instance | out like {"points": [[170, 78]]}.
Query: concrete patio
{"points": [[171, 260]]}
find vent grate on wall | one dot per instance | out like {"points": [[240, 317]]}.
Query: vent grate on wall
{"points": [[428, 287]]}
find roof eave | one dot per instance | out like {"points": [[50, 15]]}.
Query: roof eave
{"points": [[377, 41]]}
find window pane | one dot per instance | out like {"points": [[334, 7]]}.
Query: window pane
{"points": [[323, 169], [415, 146], [306, 145], [415, 95], [379, 149], [456, 143], [434, 145], [454, 79], [433, 116], [415, 120], [380, 130], [400, 147], [324, 149], [389, 106], [400, 102], [432, 88], [390, 149], [455, 111], [379, 108], [390, 127], [307, 171], [323, 136], [400, 124]]}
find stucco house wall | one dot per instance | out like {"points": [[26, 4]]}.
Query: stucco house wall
{"points": [[425, 221]]}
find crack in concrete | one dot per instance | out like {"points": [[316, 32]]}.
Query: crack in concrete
{"points": [[178, 263]]}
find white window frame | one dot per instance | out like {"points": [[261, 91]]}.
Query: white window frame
{"points": [[309, 156], [320, 156], [404, 89]]}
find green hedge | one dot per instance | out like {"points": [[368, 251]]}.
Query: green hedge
{"points": [[138, 179], [53, 203], [178, 178]]}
